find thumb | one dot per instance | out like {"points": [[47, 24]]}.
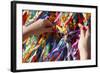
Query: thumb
{"points": [[82, 32], [47, 23]]}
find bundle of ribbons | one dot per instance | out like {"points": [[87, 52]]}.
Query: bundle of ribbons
{"points": [[55, 46]]}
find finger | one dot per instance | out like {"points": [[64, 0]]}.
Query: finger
{"points": [[48, 30], [87, 32], [43, 30], [47, 23], [82, 32]]}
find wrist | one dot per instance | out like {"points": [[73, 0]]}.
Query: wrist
{"points": [[84, 54]]}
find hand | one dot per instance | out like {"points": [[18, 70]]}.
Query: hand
{"points": [[84, 42], [38, 27]]}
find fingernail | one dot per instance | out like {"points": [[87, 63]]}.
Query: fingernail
{"points": [[84, 28]]}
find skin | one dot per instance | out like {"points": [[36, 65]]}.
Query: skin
{"points": [[37, 28], [84, 43]]}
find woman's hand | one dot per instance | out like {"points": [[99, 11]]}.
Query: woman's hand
{"points": [[84, 42], [38, 27]]}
